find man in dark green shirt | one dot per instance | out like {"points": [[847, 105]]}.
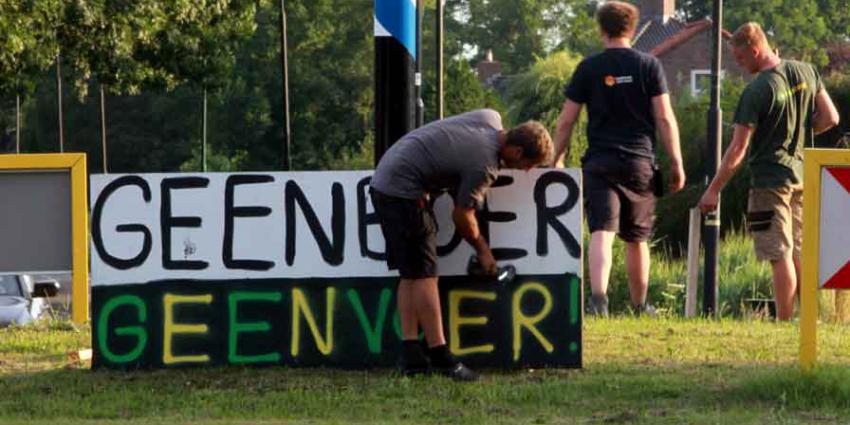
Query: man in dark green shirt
{"points": [[778, 114]]}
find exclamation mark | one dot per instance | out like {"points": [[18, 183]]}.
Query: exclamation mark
{"points": [[574, 308]]}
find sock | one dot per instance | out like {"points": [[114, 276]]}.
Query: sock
{"points": [[441, 357], [600, 302]]}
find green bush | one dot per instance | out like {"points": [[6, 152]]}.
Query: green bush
{"points": [[838, 86], [672, 212]]}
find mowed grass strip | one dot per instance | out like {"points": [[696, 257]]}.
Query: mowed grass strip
{"points": [[636, 371]]}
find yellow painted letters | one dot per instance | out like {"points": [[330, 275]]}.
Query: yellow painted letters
{"points": [[171, 328], [456, 321], [520, 320], [299, 306]]}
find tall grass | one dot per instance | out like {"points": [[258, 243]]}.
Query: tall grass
{"points": [[740, 276]]}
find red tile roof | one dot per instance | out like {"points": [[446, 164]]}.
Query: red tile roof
{"points": [[688, 32]]}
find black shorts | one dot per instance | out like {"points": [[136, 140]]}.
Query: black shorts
{"points": [[618, 195], [410, 232]]}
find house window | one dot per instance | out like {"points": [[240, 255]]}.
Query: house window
{"points": [[701, 80]]}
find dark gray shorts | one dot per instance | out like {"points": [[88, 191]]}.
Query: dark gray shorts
{"points": [[618, 195], [410, 233]]}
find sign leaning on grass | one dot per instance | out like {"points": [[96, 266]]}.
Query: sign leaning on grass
{"points": [[826, 230], [43, 220], [288, 268]]}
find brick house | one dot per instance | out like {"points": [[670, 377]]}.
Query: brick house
{"points": [[684, 48]]}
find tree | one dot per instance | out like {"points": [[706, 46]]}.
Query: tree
{"points": [[28, 46], [802, 29], [538, 94], [463, 92], [581, 33], [836, 13], [126, 47], [520, 31], [331, 87], [798, 28], [27, 41], [130, 45]]}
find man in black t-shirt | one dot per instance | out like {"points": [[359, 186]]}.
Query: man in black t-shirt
{"points": [[627, 102]]}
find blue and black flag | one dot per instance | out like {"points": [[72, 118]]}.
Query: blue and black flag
{"points": [[395, 63]]}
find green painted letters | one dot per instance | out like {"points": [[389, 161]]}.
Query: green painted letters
{"points": [[233, 300], [138, 331], [374, 334]]}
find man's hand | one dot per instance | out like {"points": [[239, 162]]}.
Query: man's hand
{"points": [[732, 159], [708, 202], [467, 226], [488, 262], [677, 178], [564, 130]]}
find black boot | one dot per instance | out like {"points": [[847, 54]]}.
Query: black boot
{"points": [[413, 358], [443, 363]]}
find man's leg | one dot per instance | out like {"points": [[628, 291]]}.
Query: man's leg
{"points": [[637, 267], [637, 217], [406, 309], [599, 268], [784, 287], [414, 359], [798, 274], [797, 232], [426, 302], [599, 260], [771, 219]]}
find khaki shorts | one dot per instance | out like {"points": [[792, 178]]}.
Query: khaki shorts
{"points": [[775, 219]]}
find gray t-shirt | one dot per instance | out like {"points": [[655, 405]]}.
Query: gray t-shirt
{"points": [[459, 154]]}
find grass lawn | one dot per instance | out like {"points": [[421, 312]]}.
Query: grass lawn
{"points": [[668, 371]]}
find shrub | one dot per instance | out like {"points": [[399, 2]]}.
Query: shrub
{"points": [[538, 94], [838, 86]]}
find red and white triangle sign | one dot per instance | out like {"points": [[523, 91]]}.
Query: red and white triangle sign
{"points": [[834, 252]]}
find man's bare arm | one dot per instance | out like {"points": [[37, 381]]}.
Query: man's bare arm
{"points": [[826, 116], [467, 226], [566, 121], [668, 128], [732, 159]]}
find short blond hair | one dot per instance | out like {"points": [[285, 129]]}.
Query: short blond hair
{"points": [[534, 140], [750, 34]]}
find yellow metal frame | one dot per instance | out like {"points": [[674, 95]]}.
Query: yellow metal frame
{"points": [[816, 159], [76, 164]]}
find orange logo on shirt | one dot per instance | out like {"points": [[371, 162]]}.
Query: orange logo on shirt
{"points": [[610, 80]]}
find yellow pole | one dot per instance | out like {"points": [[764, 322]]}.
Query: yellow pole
{"points": [[80, 240], [808, 286]]}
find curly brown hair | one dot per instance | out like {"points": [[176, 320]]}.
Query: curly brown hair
{"points": [[534, 139]]}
